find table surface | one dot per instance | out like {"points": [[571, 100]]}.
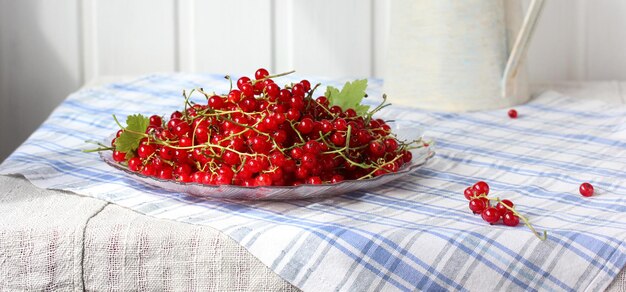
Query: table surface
{"points": [[114, 247]]}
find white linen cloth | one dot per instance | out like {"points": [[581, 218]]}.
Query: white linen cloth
{"points": [[412, 234]]}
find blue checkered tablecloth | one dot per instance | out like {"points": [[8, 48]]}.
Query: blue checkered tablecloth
{"points": [[414, 233]]}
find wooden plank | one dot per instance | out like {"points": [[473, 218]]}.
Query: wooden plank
{"points": [[133, 37], [232, 37], [606, 39], [380, 31], [332, 37]]}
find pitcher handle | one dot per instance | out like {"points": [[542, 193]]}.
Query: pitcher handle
{"points": [[521, 44]]}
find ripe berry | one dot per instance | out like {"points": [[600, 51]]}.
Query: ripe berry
{"points": [[490, 215], [512, 114], [376, 149], [247, 90], [234, 96], [134, 164], [261, 73], [586, 189], [305, 126], [480, 188], [306, 84], [166, 153], [241, 81], [503, 209], [510, 219], [216, 102], [145, 150], [155, 121], [314, 180], [119, 156], [477, 205], [298, 89], [468, 193]]}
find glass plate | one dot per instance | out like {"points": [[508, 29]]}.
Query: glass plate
{"points": [[403, 132]]}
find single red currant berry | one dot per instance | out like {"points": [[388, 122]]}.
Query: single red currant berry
{"points": [[340, 124], [231, 158], [149, 170], [155, 121], [477, 205], [263, 180], [145, 150], [306, 84], [165, 173], [241, 81], [481, 188], [272, 90], [512, 114], [247, 90], [586, 189], [468, 193], [119, 156], [293, 114], [336, 178], [134, 164], [376, 148], [491, 215], [216, 102], [305, 126], [185, 142], [166, 153], [176, 115], [502, 209], [335, 109], [298, 89], [407, 156], [391, 144], [234, 96], [510, 219], [312, 147], [322, 100], [261, 73], [314, 180], [338, 138], [182, 169]]}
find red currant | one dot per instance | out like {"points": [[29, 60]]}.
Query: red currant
{"points": [[490, 215], [261, 73], [501, 208], [134, 164], [119, 156], [468, 193], [477, 205], [481, 188], [510, 219], [512, 114], [586, 189], [156, 121]]}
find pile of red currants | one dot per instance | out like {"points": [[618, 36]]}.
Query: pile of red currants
{"points": [[262, 134]]}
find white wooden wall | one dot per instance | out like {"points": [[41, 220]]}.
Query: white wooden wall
{"points": [[50, 48]]}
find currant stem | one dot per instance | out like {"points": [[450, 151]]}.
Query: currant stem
{"points": [[541, 237]]}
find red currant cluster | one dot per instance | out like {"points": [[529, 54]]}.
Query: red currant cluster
{"points": [[504, 210], [260, 134]]}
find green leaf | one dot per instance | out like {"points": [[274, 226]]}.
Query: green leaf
{"points": [[350, 96], [129, 140]]}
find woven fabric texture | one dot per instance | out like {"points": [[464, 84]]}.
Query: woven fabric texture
{"points": [[412, 234]]}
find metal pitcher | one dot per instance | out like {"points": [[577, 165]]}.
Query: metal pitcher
{"points": [[458, 55]]}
